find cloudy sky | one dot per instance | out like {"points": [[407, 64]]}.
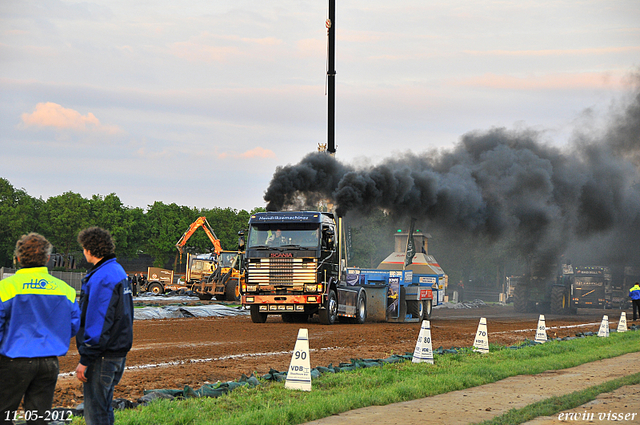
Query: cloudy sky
{"points": [[198, 102]]}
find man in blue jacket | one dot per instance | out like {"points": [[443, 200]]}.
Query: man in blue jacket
{"points": [[106, 327], [38, 317], [634, 293]]}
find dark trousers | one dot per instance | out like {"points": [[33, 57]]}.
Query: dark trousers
{"points": [[33, 378], [102, 376], [636, 308]]}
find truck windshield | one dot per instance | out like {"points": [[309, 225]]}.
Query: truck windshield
{"points": [[302, 235]]}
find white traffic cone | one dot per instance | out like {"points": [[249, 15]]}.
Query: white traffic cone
{"points": [[299, 373], [604, 327], [481, 343], [541, 332], [622, 324], [423, 351]]}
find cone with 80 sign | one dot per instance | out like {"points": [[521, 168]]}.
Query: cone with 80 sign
{"points": [[423, 351]]}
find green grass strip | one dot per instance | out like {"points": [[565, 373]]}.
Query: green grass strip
{"points": [[271, 403], [556, 404]]}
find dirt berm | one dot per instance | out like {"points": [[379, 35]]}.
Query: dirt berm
{"points": [[485, 402]]}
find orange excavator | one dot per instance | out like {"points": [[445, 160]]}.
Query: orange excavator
{"points": [[210, 275], [200, 222]]}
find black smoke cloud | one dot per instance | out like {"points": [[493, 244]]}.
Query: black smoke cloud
{"points": [[499, 184]]}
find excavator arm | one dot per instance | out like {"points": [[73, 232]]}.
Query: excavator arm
{"points": [[200, 222]]}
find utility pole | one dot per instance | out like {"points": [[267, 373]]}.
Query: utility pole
{"points": [[331, 77]]}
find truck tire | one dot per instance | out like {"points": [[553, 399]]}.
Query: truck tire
{"points": [[427, 309], [559, 300], [329, 314], [256, 315], [361, 309], [415, 309], [156, 288], [403, 304], [520, 299], [232, 290]]}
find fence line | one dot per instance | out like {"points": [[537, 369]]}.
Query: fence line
{"points": [[73, 279]]}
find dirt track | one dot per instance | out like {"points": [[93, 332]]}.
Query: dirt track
{"points": [[172, 353]]}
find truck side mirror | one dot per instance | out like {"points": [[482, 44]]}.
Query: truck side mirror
{"points": [[329, 237], [241, 241]]}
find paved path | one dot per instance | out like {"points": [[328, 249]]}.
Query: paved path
{"points": [[624, 402], [488, 401]]}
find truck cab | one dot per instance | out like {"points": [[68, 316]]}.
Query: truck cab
{"points": [[292, 266]]}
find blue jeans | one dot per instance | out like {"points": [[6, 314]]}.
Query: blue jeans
{"points": [[34, 378], [102, 376]]}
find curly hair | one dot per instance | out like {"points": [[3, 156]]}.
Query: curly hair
{"points": [[33, 250], [97, 241]]}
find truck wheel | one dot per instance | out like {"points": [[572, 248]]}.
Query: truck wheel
{"points": [[256, 315], [415, 309], [156, 288], [520, 299], [403, 304], [361, 309], [232, 290], [427, 309], [559, 300], [329, 313], [204, 297]]}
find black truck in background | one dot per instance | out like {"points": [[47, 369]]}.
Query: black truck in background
{"points": [[571, 288]]}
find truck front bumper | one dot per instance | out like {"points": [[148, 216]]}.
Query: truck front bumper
{"points": [[282, 299]]}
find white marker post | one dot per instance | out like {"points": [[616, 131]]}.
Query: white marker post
{"points": [[622, 324], [481, 344], [541, 332], [604, 327], [299, 373], [423, 351]]}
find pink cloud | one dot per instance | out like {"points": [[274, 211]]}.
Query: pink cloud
{"points": [[209, 47], [197, 52], [49, 114], [267, 41], [258, 152], [554, 52], [550, 81], [312, 47]]}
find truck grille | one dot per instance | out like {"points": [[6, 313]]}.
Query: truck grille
{"points": [[282, 271]]}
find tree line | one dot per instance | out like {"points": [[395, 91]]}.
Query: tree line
{"points": [[156, 229], [153, 231]]}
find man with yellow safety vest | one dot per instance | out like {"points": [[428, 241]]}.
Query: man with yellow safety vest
{"points": [[634, 293], [38, 317]]}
